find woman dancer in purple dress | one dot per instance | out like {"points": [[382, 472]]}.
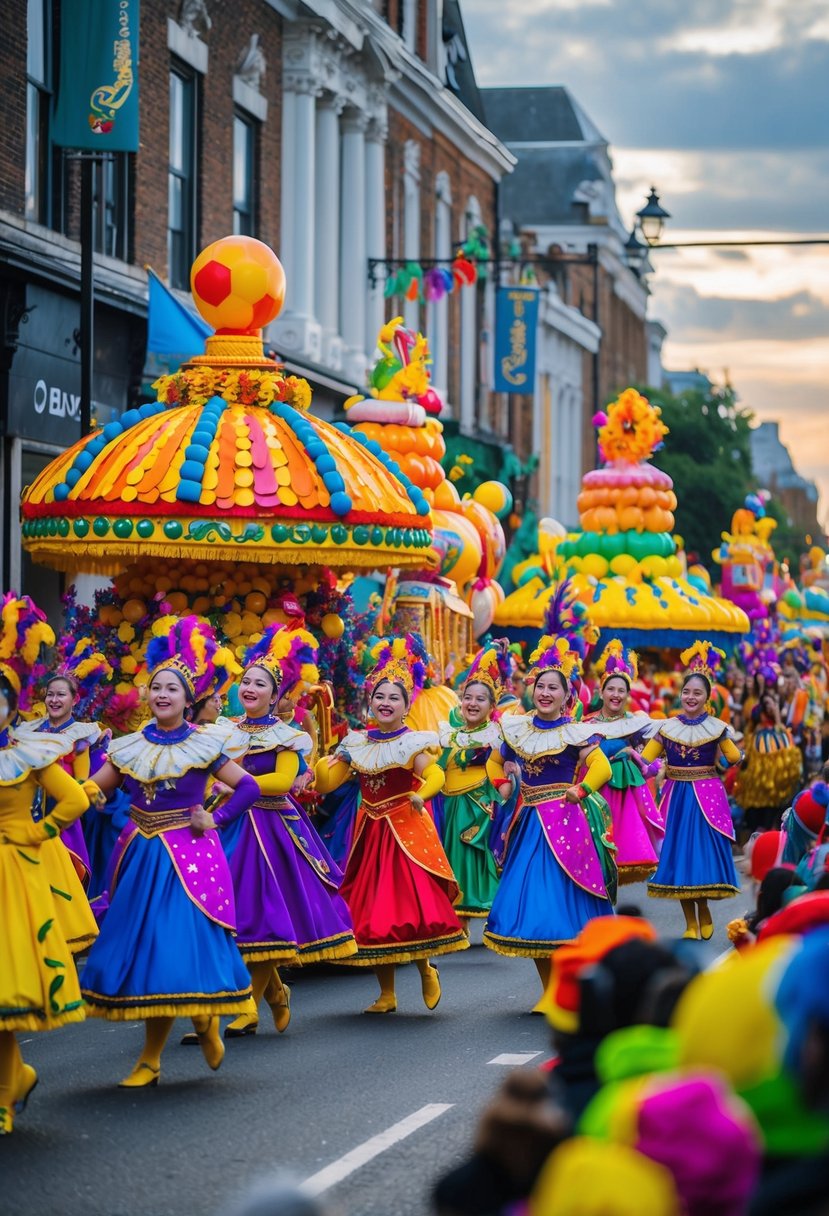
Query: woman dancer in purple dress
{"points": [[166, 946], [288, 907]]}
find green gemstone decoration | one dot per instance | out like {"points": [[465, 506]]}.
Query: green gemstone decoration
{"points": [[376, 535], [100, 526], [173, 529], [145, 528], [360, 534], [319, 533], [339, 534], [280, 533], [63, 527], [301, 534], [81, 527], [122, 528]]}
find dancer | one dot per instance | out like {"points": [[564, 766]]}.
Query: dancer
{"points": [[558, 871], [696, 862], [38, 983], [464, 810], [68, 692], [398, 885], [638, 827], [287, 902], [166, 948]]}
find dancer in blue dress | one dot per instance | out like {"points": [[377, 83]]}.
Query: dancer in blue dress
{"points": [[558, 871], [166, 948], [696, 863]]}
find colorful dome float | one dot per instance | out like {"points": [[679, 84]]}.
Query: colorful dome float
{"points": [[625, 566], [750, 575], [467, 545], [225, 497]]}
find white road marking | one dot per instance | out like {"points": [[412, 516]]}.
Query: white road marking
{"points": [[512, 1059], [331, 1174]]}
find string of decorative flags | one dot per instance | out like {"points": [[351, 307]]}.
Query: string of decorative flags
{"points": [[414, 282]]}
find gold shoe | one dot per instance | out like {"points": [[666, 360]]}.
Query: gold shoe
{"points": [[6, 1121], [143, 1076], [28, 1081], [383, 1004], [212, 1047], [430, 987], [692, 934], [706, 928], [241, 1026], [281, 1010]]}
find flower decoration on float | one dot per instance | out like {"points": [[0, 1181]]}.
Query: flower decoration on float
{"points": [[188, 648], [617, 661], [703, 659], [24, 636], [398, 661], [633, 429]]}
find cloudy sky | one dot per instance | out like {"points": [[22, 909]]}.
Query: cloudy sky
{"points": [[724, 105]]}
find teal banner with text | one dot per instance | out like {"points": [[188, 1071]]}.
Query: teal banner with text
{"points": [[97, 106]]}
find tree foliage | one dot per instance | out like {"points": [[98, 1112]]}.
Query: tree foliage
{"points": [[708, 455]]}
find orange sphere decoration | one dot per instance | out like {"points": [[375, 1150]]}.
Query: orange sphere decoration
{"points": [[238, 285]]}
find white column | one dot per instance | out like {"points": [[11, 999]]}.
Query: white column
{"points": [[327, 229], [297, 331], [353, 244], [375, 224], [411, 221], [286, 171]]}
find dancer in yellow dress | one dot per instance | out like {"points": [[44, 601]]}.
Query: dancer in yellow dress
{"points": [[38, 983]]}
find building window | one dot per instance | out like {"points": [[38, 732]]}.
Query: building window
{"points": [[244, 174], [181, 175], [38, 100], [112, 199]]}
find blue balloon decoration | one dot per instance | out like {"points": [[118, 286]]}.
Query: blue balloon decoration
{"points": [[61, 491], [73, 477], [340, 503], [82, 461], [333, 482], [191, 470], [197, 452], [112, 430], [130, 418], [188, 491]]}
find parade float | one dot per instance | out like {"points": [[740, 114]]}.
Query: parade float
{"points": [[226, 497], [750, 574], [402, 415], [626, 566]]}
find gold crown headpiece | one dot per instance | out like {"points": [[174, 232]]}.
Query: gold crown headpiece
{"points": [[615, 660], [288, 655], [491, 668], [703, 659], [555, 654], [399, 661]]}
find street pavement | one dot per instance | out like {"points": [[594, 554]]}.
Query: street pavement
{"points": [[367, 1111]]}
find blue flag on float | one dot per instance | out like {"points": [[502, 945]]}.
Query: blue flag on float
{"points": [[516, 320], [173, 332], [97, 106]]}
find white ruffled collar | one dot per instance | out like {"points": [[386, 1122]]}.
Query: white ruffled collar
{"points": [[528, 740], [271, 736], [26, 753], [376, 755], [623, 728], [138, 757], [76, 732], [487, 735], [694, 734]]}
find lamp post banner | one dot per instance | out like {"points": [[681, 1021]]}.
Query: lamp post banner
{"points": [[516, 323], [97, 107]]}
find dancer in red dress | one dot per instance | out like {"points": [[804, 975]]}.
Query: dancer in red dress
{"points": [[398, 884]]}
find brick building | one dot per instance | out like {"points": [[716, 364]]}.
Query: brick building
{"points": [[335, 132]]}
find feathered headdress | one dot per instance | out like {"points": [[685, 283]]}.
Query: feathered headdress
{"points": [[491, 667], [567, 617], [84, 668], [615, 660], [703, 659], [398, 661], [24, 632], [554, 654], [288, 655], [188, 647]]}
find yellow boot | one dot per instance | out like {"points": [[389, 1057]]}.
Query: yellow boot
{"points": [[147, 1070], [429, 983], [387, 1000]]}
